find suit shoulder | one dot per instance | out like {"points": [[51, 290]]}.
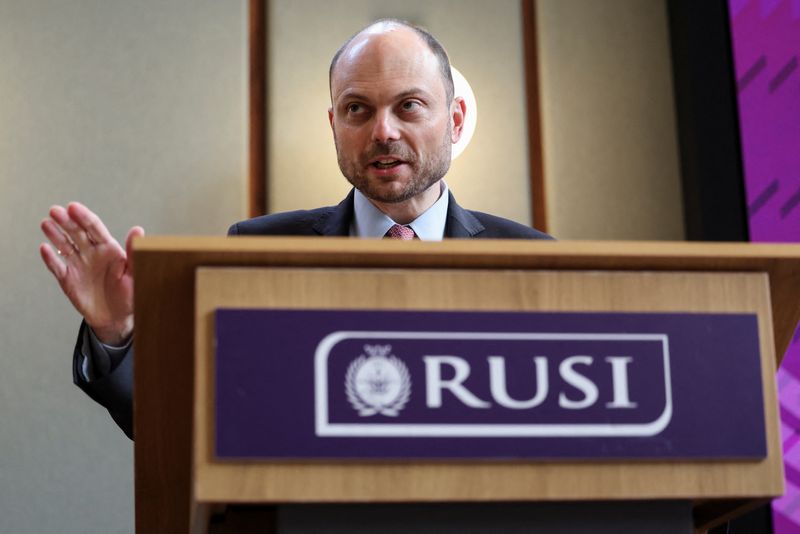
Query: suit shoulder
{"points": [[500, 228], [299, 222]]}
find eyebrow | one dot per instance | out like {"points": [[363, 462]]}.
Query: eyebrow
{"points": [[414, 91], [347, 93]]}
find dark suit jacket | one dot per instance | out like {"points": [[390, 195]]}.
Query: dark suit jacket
{"points": [[115, 390]]}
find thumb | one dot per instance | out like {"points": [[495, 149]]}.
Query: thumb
{"points": [[136, 231]]}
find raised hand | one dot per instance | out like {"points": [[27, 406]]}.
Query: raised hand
{"points": [[93, 270]]}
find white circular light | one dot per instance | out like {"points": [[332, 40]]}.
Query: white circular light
{"points": [[463, 89]]}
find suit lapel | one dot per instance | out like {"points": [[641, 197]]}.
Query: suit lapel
{"points": [[460, 223], [336, 221]]}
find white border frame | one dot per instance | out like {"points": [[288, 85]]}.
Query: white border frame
{"points": [[324, 428]]}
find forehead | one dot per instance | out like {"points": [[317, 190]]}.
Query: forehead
{"points": [[389, 61]]}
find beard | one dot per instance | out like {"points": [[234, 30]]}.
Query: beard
{"points": [[423, 176]]}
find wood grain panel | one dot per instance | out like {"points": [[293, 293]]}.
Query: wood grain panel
{"points": [[477, 290]]}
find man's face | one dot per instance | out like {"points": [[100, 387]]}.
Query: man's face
{"points": [[392, 125]]}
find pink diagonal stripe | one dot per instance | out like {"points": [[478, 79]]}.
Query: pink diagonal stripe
{"points": [[790, 442], [789, 504], [789, 389]]}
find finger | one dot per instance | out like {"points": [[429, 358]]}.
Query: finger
{"points": [[90, 223], [59, 240], [70, 227], [136, 231], [54, 265]]}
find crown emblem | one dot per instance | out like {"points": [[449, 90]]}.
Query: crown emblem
{"points": [[377, 382]]}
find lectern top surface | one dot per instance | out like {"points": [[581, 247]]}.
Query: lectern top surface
{"points": [[780, 261]]}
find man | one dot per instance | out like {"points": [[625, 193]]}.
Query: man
{"points": [[394, 120]]}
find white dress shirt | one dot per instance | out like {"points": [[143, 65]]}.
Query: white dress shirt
{"points": [[370, 222]]}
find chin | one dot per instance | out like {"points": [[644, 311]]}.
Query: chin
{"points": [[388, 196], [390, 189]]}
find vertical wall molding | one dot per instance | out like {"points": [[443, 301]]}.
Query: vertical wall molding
{"points": [[535, 153], [257, 142]]}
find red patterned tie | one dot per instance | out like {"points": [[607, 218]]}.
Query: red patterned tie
{"points": [[398, 231]]}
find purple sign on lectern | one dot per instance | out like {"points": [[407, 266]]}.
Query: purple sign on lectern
{"points": [[494, 385]]}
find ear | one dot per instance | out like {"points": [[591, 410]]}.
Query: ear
{"points": [[330, 116], [458, 110]]}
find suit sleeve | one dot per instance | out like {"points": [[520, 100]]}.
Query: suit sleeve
{"points": [[110, 385], [113, 389]]}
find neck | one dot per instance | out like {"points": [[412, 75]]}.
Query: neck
{"points": [[407, 211]]}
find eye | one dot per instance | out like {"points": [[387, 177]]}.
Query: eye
{"points": [[354, 108], [410, 105]]}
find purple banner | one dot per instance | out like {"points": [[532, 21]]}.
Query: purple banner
{"points": [[766, 43], [402, 384]]}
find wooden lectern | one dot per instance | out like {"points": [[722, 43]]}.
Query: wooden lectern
{"points": [[180, 281]]}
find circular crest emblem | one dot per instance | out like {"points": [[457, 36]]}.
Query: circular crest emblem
{"points": [[379, 383]]}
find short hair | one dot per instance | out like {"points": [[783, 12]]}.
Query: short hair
{"points": [[433, 45]]}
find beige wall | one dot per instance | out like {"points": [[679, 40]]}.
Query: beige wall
{"points": [[137, 109], [610, 145], [484, 41]]}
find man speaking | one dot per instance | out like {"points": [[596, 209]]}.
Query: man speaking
{"points": [[394, 119]]}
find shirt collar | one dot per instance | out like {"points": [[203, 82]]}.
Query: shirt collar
{"points": [[369, 221]]}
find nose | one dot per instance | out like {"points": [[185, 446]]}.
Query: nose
{"points": [[385, 127]]}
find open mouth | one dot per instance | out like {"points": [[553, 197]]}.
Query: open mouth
{"points": [[387, 163]]}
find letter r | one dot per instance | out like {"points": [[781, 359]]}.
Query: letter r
{"points": [[434, 383]]}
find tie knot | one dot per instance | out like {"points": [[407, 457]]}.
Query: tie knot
{"points": [[398, 231]]}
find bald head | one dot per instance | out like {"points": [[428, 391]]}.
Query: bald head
{"points": [[394, 35]]}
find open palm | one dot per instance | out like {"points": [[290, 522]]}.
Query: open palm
{"points": [[93, 270]]}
